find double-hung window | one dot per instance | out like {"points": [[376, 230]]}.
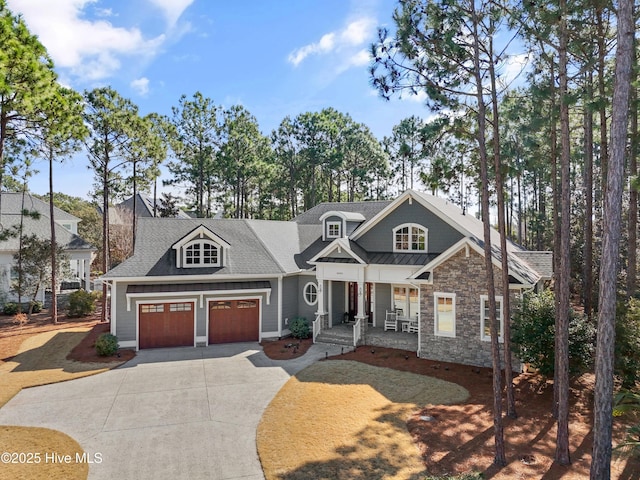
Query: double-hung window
{"points": [[445, 314], [485, 324]]}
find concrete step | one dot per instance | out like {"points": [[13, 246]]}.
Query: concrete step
{"points": [[326, 337]]}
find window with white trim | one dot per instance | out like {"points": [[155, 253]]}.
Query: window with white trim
{"points": [[201, 253], [310, 293], [485, 325], [334, 229], [410, 238], [445, 314]]}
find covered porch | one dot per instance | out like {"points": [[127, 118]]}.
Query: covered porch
{"points": [[373, 336], [368, 313]]}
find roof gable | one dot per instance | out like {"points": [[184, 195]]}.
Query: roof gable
{"points": [[201, 232], [340, 249]]}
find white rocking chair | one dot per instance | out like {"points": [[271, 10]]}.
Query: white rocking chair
{"points": [[391, 322]]}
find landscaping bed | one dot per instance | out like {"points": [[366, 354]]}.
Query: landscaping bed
{"points": [[286, 348]]}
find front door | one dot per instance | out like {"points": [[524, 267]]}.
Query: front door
{"points": [[353, 300]]}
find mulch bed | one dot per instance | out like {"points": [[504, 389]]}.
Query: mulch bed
{"points": [[85, 351], [286, 348]]}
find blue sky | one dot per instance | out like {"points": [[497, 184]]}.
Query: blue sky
{"points": [[275, 57]]}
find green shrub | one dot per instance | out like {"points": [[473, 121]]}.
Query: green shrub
{"points": [[533, 335], [10, 308], [627, 348], [81, 303], [36, 307], [299, 328], [106, 345]]}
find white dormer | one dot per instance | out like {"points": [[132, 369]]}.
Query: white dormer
{"points": [[337, 224], [201, 248]]}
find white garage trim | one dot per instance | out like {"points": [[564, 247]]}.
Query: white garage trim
{"points": [[200, 295]]}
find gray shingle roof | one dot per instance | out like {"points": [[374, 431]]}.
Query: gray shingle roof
{"points": [[153, 255], [12, 205], [366, 209], [144, 206], [266, 247]]}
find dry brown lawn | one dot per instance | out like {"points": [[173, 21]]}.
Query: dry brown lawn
{"points": [[41, 359], [44, 456], [37, 355], [347, 420]]}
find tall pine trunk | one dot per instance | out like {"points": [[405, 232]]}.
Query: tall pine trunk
{"points": [[603, 402], [587, 282], [498, 428], [52, 224], [632, 258], [563, 305]]}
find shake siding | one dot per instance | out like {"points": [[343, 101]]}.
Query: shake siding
{"points": [[464, 276]]}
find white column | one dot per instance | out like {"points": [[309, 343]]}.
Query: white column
{"points": [[360, 313], [321, 309], [86, 266]]}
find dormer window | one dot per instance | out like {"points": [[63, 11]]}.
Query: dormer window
{"points": [[334, 229], [410, 238], [201, 248], [201, 253]]}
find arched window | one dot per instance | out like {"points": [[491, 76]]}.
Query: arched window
{"points": [[310, 293], [410, 238], [201, 253]]}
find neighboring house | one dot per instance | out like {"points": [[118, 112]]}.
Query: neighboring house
{"points": [[203, 281], [144, 209], [79, 251]]}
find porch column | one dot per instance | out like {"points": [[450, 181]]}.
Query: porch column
{"points": [[360, 311], [321, 309], [86, 266]]}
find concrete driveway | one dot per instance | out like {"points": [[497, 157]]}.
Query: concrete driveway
{"points": [[179, 413]]}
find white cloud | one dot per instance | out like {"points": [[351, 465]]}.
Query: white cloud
{"points": [[172, 9], [140, 85], [354, 34], [89, 49]]}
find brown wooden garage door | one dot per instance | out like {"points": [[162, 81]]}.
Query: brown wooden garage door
{"points": [[234, 321], [166, 325]]}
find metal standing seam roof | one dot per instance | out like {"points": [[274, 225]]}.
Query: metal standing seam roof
{"points": [[198, 287]]}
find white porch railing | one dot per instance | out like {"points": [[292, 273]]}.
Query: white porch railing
{"points": [[357, 333], [317, 325]]}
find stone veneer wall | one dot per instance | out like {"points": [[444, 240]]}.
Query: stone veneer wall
{"points": [[464, 276]]}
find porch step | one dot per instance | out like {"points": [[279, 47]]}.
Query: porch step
{"points": [[333, 338]]}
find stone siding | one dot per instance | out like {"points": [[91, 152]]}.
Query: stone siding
{"points": [[463, 276]]}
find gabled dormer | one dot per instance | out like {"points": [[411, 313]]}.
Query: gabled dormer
{"points": [[201, 248], [337, 224]]}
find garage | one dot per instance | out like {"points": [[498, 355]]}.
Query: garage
{"points": [[166, 325], [234, 321]]}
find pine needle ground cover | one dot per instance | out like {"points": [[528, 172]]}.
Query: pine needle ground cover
{"points": [[347, 420]]}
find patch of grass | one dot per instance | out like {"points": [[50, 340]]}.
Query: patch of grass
{"points": [[41, 443], [41, 359], [347, 420]]}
